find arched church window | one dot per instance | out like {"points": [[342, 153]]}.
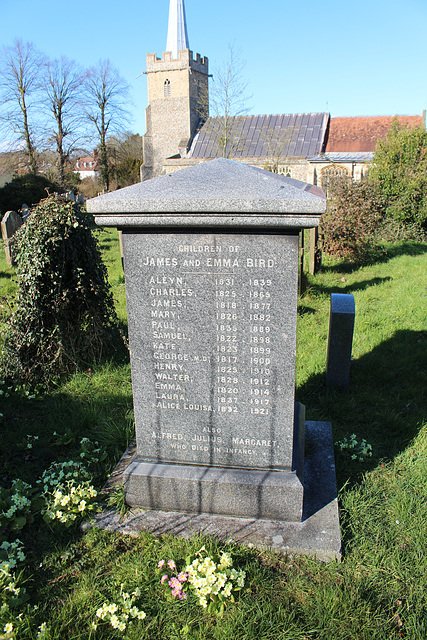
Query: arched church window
{"points": [[285, 171], [331, 173], [167, 88]]}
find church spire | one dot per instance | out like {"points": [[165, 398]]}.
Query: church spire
{"points": [[177, 28]]}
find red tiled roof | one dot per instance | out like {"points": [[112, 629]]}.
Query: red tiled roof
{"points": [[362, 133]]}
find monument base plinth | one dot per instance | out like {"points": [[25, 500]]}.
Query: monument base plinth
{"points": [[317, 534], [243, 493]]}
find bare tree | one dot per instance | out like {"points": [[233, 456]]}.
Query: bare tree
{"points": [[125, 150], [19, 92], [276, 144], [61, 87], [106, 97], [228, 100]]}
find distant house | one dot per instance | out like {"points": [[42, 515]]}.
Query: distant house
{"points": [[87, 166]]}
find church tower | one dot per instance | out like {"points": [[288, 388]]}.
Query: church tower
{"points": [[177, 95]]}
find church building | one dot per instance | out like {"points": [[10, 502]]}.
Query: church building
{"points": [[178, 95], [312, 147]]}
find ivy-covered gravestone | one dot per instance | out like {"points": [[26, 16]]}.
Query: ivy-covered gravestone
{"points": [[65, 316]]}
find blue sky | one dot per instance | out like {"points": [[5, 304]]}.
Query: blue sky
{"points": [[358, 58]]}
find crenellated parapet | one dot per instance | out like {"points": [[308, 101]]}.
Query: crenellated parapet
{"points": [[185, 60]]}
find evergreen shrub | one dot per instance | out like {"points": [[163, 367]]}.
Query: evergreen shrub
{"points": [[28, 189], [399, 171], [65, 316]]}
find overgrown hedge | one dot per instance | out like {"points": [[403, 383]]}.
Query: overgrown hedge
{"points": [[65, 316], [354, 215], [389, 204]]}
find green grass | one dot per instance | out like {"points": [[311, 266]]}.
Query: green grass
{"points": [[377, 591]]}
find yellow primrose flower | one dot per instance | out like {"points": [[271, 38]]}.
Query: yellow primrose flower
{"points": [[225, 561]]}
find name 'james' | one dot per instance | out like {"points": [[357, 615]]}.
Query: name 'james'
{"points": [[148, 261]]}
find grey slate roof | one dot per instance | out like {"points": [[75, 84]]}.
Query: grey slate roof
{"points": [[344, 156], [299, 135]]}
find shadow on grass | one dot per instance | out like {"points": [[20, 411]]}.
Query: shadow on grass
{"points": [[5, 274], [386, 402], [94, 405], [350, 288], [106, 243], [392, 251], [303, 310]]}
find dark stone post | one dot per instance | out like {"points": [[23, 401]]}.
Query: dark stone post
{"points": [[340, 340], [315, 257]]}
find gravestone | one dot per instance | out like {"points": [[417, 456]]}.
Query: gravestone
{"points": [[9, 225], [340, 339], [211, 270]]}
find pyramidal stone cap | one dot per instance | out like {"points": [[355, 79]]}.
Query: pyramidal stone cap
{"points": [[219, 192]]}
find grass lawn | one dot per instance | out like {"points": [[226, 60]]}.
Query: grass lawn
{"points": [[378, 591]]}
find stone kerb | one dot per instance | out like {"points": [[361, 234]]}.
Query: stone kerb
{"points": [[211, 271]]}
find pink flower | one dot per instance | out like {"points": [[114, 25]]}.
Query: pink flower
{"points": [[182, 577], [161, 564], [164, 578], [174, 583], [171, 564], [182, 595]]}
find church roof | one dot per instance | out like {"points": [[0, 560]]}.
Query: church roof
{"points": [[362, 133], [299, 135], [177, 28], [343, 156]]}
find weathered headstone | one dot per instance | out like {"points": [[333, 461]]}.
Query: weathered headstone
{"points": [[211, 265], [340, 339], [9, 225]]}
